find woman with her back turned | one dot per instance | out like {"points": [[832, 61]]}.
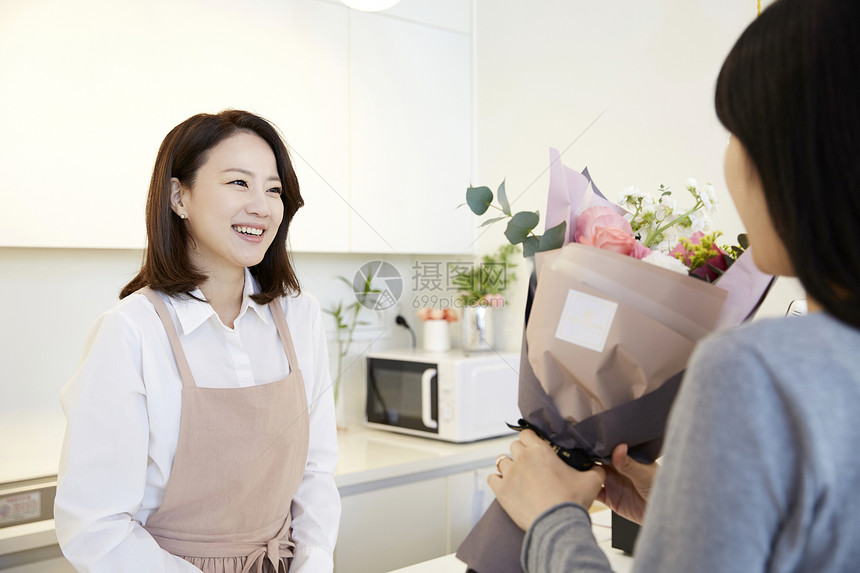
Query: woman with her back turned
{"points": [[201, 432], [758, 472]]}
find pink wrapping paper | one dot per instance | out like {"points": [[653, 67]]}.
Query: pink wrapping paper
{"points": [[588, 361]]}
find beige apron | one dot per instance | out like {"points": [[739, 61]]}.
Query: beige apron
{"points": [[240, 458]]}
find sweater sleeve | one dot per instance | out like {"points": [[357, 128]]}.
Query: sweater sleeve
{"points": [[561, 540], [729, 470], [729, 467]]}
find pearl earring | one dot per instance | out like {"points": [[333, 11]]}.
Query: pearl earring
{"points": [[183, 216]]}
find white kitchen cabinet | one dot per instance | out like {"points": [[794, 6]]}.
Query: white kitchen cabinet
{"points": [[410, 137], [98, 84], [455, 15], [376, 108], [314, 118], [469, 496], [408, 499], [393, 527]]}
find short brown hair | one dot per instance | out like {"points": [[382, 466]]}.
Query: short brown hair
{"points": [[166, 264]]}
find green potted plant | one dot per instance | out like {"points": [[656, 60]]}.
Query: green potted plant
{"points": [[346, 318], [481, 293]]}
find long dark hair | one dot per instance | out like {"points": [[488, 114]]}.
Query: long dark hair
{"points": [[166, 264], [789, 91]]}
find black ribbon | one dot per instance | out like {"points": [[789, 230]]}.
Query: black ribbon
{"points": [[577, 458]]}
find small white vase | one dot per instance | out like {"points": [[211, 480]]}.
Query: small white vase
{"points": [[437, 336]]}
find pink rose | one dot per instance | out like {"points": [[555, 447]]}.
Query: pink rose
{"points": [[640, 251], [612, 239], [598, 217], [603, 228]]}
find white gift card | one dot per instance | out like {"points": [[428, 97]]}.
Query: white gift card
{"points": [[586, 320]]}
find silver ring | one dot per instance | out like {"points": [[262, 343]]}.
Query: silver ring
{"points": [[499, 461]]}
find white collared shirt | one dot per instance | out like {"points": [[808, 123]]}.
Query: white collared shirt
{"points": [[123, 408]]}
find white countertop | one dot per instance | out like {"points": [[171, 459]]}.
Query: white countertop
{"points": [[367, 455], [600, 520], [31, 443]]}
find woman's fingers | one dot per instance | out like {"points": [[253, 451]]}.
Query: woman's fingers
{"points": [[619, 455], [641, 475], [528, 437], [504, 463]]}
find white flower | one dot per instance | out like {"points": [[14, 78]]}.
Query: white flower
{"points": [[666, 262], [665, 208], [630, 195], [647, 204], [692, 184], [671, 237], [700, 222], [709, 197]]}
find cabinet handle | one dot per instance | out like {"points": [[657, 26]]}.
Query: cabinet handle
{"points": [[426, 415]]}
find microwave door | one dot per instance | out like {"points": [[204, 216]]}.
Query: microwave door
{"points": [[402, 394]]}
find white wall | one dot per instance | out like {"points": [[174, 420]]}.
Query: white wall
{"points": [[547, 69]]}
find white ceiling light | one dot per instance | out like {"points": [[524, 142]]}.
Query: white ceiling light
{"points": [[370, 5]]}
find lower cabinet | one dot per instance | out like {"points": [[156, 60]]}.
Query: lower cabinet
{"points": [[398, 525], [469, 496]]}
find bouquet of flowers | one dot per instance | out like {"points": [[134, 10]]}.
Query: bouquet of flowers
{"points": [[608, 335]]}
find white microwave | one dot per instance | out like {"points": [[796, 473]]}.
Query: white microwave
{"points": [[450, 396]]}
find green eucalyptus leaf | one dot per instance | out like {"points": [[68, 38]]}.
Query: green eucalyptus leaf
{"points": [[553, 238], [491, 221], [530, 246], [479, 199], [503, 200], [520, 226], [526, 219], [743, 241]]}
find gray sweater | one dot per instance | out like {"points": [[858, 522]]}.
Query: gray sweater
{"points": [[760, 469]]}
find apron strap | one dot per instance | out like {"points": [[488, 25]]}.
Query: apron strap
{"points": [[172, 336], [284, 331]]}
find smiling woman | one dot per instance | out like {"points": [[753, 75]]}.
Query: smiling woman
{"points": [[203, 403], [233, 149], [232, 211]]}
